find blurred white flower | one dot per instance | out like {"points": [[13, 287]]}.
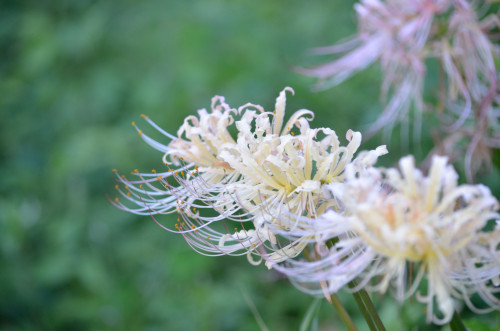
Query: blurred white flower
{"points": [[401, 36], [399, 227]]}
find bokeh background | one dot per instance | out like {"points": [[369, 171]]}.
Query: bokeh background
{"points": [[73, 75]]}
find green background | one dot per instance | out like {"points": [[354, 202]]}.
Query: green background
{"points": [[73, 75]]}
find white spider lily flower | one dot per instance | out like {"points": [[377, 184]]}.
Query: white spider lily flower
{"points": [[399, 227], [283, 172], [401, 35], [247, 182]]}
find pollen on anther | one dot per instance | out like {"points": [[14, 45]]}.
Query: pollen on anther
{"points": [[114, 170], [208, 237], [235, 229], [116, 187], [292, 133], [133, 123], [136, 170], [144, 116], [116, 199], [140, 185], [140, 132], [128, 194], [123, 176], [126, 187]]}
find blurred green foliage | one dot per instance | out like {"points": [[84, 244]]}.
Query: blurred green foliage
{"points": [[73, 75]]}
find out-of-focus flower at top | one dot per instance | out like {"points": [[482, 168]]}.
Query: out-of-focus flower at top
{"points": [[271, 167], [399, 227], [401, 35]]}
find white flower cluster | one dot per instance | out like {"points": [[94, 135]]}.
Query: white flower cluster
{"points": [[291, 195], [271, 168]]}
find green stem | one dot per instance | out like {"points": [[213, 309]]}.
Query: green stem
{"points": [[372, 310], [367, 308], [363, 310], [344, 316], [456, 323]]}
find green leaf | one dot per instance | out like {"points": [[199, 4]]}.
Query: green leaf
{"points": [[311, 316]]}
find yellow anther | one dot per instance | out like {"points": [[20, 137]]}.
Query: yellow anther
{"points": [[208, 237], [114, 170], [140, 132], [123, 176], [144, 116], [133, 123], [140, 186], [292, 133], [128, 194], [235, 229], [136, 170], [116, 187], [116, 199], [126, 187], [153, 170], [182, 173]]}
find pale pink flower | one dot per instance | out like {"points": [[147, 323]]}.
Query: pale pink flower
{"points": [[401, 35]]}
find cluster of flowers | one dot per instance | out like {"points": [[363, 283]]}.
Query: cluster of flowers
{"points": [[403, 36], [292, 196]]}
